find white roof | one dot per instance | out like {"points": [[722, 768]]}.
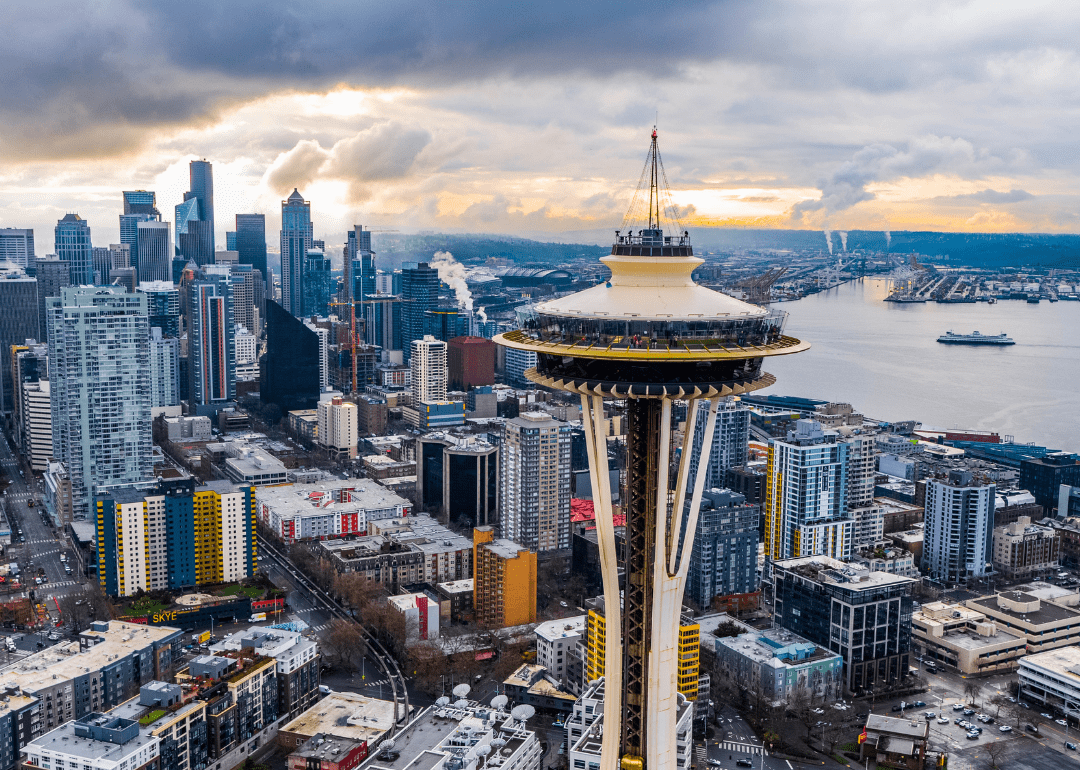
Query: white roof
{"points": [[643, 288]]}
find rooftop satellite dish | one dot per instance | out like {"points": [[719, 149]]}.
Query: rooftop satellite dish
{"points": [[594, 682], [499, 701], [498, 743], [461, 703], [522, 713], [387, 744], [681, 698], [483, 751], [462, 690], [443, 701]]}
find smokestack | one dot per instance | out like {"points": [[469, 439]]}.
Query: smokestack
{"points": [[452, 273]]}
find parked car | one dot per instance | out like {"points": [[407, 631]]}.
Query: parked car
{"points": [[1070, 745], [943, 720], [972, 736], [918, 704], [1005, 729], [1061, 722], [958, 707], [744, 763]]}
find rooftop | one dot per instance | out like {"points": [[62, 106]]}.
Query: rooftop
{"points": [[1024, 607], [420, 533], [562, 629], [1064, 662], [65, 661], [66, 740], [909, 728], [825, 569], [347, 715], [331, 495]]}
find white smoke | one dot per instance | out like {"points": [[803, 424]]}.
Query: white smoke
{"points": [[828, 239], [888, 239], [843, 239], [482, 315], [452, 273]]}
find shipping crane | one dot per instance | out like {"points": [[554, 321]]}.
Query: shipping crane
{"points": [[759, 287]]}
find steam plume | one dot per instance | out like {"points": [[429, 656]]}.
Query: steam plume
{"points": [[452, 273], [843, 239], [888, 239], [482, 315], [828, 239]]}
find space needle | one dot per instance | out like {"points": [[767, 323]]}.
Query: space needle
{"points": [[651, 336]]}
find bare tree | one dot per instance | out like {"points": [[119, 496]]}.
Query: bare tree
{"points": [[971, 690], [75, 611], [801, 708], [346, 643], [997, 754]]}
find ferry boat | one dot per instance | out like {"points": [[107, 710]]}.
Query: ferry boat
{"points": [[975, 338]]}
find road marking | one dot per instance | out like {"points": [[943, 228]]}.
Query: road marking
{"points": [[789, 763]]}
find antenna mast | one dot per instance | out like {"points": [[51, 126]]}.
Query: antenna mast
{"points": [[654, 193]]}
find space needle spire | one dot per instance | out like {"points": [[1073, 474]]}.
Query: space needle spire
{"points": [[649, 336]]}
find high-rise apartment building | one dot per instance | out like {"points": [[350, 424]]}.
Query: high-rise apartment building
{"points": [[164, 371], [470, 362], [731, 440], [382, 321], [318, 283], [339, 427], [36, 410], [163, 306], [195, 216], [806, 512], [534, 460], [18, 322], [504, 581], [958, 538], [724, 560], [419, 293], [155, 251], [290, 371], [428, 366], [51, 274], [17, 246], [247, 355], [517, 363], [458, 477], [251, 242], [74, 247], [175, 535], [296, 239], [247, 295], [100, 404], [324, 353], [862, 615], [211, 344], [120, 255], [869, 528], [30, 366]]}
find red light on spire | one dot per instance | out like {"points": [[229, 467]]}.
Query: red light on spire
{"points": [[654, 133]]}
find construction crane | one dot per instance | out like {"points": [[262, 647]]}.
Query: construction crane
{"points": [[759, 287], [352, 338]]}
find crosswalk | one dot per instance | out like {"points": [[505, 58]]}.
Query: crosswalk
{"points": [[374, 682], [322, 627], [745, 748], [701, 754]]}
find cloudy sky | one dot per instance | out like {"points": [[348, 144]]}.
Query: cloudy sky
{"points": [[533, 118]]}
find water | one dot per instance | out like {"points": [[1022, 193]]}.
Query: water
{"points": [[884, 359]]}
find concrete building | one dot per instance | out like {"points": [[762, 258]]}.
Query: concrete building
{"points": [[1045, 624], [247, 357], [731, 440], [328, 752], [724, 558], [94, 742], [407, 551], [51, 274], [296, 663], [339, 428], [1051, 679], [188, 429], [959, 528], [247, 464], [36, 411], [345, 715], [964, 639], [174, 536], [317, 511], [421, 616], [107, 666], [806, 488], [862, 615], [17, 246], [1023, 549], [164, 372], [898, 743], [458, 477], [777, 664], [534, 464], [427, 363], [18, 322], [155, 252], [554, 641], [869, 529], [470, 362], [504, 581], [100, 405]]}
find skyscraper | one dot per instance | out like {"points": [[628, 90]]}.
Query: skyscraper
{"points": [[251, 242], [211, 344], [154, 248], [73, 246], [163, 306], [296, 239], [869, 517], [195, 216], [318, 283], [139, 206], [428, 365], [359, 264], [534, 462], [731, 440], [164, 371], [290, 368], [419, 293], [17, 246], [18, 322], [51, 274], [806, 511], [724, 558], [100, 404], [230, 241], [382, 322], [958, 543]]}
